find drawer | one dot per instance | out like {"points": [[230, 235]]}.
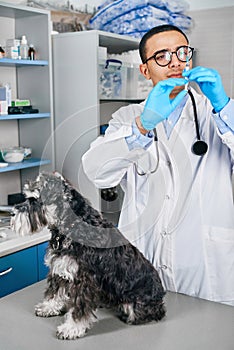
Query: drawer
{"points": [[18, 270]]}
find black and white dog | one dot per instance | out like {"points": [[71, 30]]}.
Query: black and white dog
{"points": [[91, 263]]}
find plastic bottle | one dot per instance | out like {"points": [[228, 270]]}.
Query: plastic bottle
{"points": [[31, 52], [24, 48], [8, 93]]}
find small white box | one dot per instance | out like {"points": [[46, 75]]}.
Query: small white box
{"points": [[102, 53], [3, 107], [12, 52], [138, 87], [3, 93], [12, 42]]}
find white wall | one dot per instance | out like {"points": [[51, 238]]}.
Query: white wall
{"points": [[194, 4], [206, 4]]}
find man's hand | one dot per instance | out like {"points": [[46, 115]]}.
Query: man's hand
{"points": [[158, 105], [210, 84]]}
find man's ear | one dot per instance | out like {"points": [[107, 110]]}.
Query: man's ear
{"points": [[144, 70]]}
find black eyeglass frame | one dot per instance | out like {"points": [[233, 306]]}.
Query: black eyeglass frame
{"points": [[171, 53]]}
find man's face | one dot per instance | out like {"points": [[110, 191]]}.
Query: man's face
{"points": [[170, 41]]}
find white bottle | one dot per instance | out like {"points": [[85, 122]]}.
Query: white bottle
{"points": [[24, 48], [8, 94]]}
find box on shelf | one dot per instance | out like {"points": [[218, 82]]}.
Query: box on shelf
{"points": [[137, 85], [122, 80], [12, 48], [3, 107], [3, 93], [144, 86], [102, 53], [112, 79], [13, 42], [19, 103]]}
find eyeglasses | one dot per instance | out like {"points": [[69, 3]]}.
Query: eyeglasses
{"points": [[164, 57]]}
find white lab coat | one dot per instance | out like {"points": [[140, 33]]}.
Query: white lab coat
{"points": [[180, 217]]}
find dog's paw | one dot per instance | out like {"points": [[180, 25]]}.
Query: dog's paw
{"points": [[45, 309], [66, 331], [72, 329]]}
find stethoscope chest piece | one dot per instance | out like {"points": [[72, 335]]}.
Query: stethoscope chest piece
{"points": [[199, 148]]}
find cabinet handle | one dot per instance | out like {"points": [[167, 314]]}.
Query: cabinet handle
{"points": [[6, 271]]}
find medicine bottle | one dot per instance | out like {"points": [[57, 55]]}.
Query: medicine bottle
{"points": [[24, 48], [31, 52]]}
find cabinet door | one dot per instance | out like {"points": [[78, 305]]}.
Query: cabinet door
{"points": [[42, 268], [18, 270]]}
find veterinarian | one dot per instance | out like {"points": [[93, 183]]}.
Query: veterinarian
{"points": [[178, 203]]}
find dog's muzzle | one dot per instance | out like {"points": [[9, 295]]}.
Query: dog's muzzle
{"points": [[28, 217]]}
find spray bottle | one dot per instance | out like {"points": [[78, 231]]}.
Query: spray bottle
{"points": [[24, 48]]}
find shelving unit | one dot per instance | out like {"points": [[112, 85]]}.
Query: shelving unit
{"points": [[79, 111], [29, 80]]}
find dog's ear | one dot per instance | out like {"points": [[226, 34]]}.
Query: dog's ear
{"points": [[28, 217]]}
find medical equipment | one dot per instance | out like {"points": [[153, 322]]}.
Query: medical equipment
{"points": [[157, 156], [199, 147]]}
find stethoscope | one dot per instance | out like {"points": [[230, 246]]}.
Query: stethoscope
{"points": [[199, 147]]}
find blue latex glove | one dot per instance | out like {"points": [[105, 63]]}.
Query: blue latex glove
{"points": [[210, 84], [158, 105]]}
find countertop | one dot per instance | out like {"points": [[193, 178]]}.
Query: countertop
{"points": [[190, 324], [13, 242]]}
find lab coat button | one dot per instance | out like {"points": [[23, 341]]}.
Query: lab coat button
{"points": [[163, 233], [163, 267], [167, 196]]}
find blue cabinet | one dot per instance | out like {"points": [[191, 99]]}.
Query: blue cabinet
{"points": [[42, 268], [23, 268]]}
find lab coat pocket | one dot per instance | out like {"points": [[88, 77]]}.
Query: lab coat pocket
{"points": [[220, 262]]}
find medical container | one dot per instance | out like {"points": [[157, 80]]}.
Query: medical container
{"points": [[24, 48], [112, 79], [138, 87]]}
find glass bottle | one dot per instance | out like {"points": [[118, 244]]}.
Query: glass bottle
{"points": [[31, 52]]}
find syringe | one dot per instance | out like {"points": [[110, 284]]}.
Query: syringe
{"points": [[186, 69]]}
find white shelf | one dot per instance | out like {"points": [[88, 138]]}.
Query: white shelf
{"points": [[32, 80]]}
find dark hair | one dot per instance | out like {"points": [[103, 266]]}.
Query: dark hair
{"points": [[153, 31]]}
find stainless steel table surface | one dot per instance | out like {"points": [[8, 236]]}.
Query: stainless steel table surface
{"points": [[190, 324]]}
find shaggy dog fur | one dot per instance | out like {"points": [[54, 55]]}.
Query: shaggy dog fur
{"points": [[90, 262]]}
